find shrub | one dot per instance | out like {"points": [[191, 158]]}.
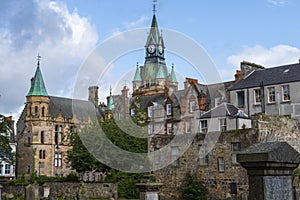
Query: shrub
{"points": [[193, 189]]}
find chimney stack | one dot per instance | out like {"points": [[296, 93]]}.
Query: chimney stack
{"points": [[93, 95]]}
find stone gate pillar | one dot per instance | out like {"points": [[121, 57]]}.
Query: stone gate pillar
{"points": [[270, 167], [149, 187]]}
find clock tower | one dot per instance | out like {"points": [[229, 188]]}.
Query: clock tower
{"points": [[153, 76]]}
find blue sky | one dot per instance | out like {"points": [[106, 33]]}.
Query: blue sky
{"points": [[66, 32]]}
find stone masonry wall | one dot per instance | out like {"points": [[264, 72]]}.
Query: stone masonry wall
{"points": [[272, 128], [266, 128], [69, 190], [218, 183]]}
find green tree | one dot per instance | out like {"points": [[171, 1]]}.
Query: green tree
{"points": [[193, 189], [6, 153], [81, 159]]}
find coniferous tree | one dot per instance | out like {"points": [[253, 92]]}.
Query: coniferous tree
{"points": [[193, 189]]}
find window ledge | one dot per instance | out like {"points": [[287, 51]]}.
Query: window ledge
{"points": [[285, 101], [271, 103], [257, 104]]}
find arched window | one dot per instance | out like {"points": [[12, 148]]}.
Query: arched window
{"points": [[42, 154], [43, 111], [42, 137], [36, 111]]}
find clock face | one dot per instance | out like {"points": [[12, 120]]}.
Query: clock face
{"points": [[160, 49], [151, 48]]}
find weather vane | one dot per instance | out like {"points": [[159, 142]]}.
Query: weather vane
{"points": [[154, 6], [39, 58]]}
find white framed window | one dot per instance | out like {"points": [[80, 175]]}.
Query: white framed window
{"points": [[187, 126], [150, 111], [175, 156], [204, 160], [223, 124], [286, 93], [7, 169], [203, 125], [241, 98], [271, 95], [169, 128], [257, 96], [221, 164], [57, 159], [150, 129], [1, 168], [192, 106], [169, 109], [235, 147]]}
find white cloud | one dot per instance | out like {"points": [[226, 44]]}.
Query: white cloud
{"points": [[137, 23], [274, 56], [62, 37], [277, 2]]}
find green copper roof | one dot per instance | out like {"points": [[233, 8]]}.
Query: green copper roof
{"points": [[110, 105], [37, 84], [154, 34], [173, 76], [160, 72], [137, 76]]}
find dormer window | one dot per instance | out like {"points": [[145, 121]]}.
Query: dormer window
{"points": [[192, 106]]}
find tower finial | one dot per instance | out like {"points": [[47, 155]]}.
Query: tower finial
{"points": [[38, 59], [154, 6]]}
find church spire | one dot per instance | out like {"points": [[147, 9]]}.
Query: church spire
{"points": [[37, 83], [110, 105], [173, 76], [137, 75]]}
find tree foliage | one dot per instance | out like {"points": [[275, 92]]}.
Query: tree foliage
{"points": [[6, 152], [82, 159], [193, 189]]}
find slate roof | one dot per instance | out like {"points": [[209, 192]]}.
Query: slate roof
{"points": [[223, 110], [67, 108], [270, 76]]}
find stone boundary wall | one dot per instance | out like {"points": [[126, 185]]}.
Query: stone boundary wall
{"points": [[276, 128], [67, 190]]}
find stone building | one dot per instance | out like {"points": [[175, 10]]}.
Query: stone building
{"points": [[45, 128], [268, 90]]}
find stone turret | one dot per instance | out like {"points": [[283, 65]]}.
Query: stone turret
{"points": [[37, 99]]}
